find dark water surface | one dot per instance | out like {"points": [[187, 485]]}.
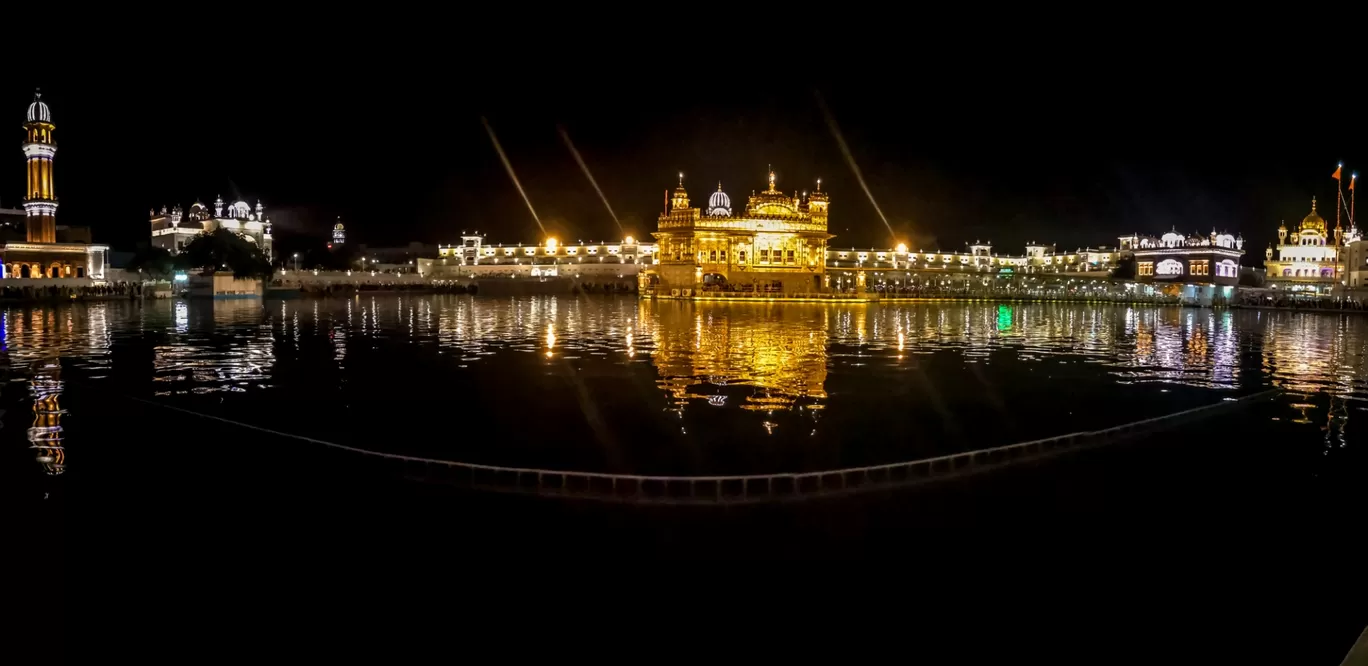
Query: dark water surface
{"points": [[621, 385], [184, 514]]}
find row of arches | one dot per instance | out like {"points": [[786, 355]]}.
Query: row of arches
{"points": [[1308, 272], [31, 270]]}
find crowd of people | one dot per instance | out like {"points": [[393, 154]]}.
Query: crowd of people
{"points": [[605, 288], [344, 289], [1283, 301], [71, 293]]}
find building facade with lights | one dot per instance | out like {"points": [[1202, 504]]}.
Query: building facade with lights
{"points": [[551, 258], [40, 255], [778, 242], [1199, 269], [172, 230], [1307, 261]]}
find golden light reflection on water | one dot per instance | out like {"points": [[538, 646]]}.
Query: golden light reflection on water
{"points": [[761, 361], [45, 434], [781, 357]]}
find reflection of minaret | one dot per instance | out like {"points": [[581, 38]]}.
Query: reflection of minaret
{"points": [[46, 434], [1336, 418], [40, 200]]}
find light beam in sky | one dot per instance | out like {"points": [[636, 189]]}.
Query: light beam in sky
{"points": [[585, 168], [509, 168], [850, 159]]}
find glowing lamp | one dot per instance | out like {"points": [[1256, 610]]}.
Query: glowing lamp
{"points": [[628, 240], [550, 245], [902, 248]]}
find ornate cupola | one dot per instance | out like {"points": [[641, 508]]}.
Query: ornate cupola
{"points": [[680, 201], [719, 204]]}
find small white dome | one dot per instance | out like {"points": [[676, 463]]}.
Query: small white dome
{"points": [[719, 203], [241, 209], [38, 111]]}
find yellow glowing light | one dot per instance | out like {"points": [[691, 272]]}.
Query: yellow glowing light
{"points": [[629, 240], [902, 248], [551, 245]]}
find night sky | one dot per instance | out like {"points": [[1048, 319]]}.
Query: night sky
{"points": [[1011, 157]]}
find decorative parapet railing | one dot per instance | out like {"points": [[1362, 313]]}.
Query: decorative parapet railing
{"points": [[759, 226], [749, 488]]}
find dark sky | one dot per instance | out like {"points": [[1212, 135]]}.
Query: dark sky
{"points": [[1011, 156]]}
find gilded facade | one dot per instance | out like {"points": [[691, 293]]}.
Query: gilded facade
{"points": [[776, 243], [1307, 260]]}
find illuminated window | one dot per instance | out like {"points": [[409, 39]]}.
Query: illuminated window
{"points": [[1145, 268], [1199, 267], [1169, 267], [712, 256], [790, 257], [764, 256], [724, 256], [741, 257]]}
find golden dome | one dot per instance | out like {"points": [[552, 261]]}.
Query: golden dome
{"points": [[1313, 222]]}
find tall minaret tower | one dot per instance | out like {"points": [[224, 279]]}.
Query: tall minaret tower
{"points": [[40, 200]]}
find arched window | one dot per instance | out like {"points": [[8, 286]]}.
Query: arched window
{"points": [[1169, 267]]}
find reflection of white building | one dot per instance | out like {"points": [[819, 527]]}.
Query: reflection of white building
{"points": [[172, 231], [1307, 260]]}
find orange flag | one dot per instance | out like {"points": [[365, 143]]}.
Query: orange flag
{"points": [[1337, 172]]}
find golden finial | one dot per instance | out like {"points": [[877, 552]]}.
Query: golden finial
{"points": [[771, 172], [681, 179], [719, 186], [819, 184], [1313, 204]]}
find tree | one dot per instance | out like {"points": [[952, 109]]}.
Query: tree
{"points": [[1125, 269], [154, 262], [220, 249]]}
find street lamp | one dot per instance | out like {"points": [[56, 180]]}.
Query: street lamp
{"points": [[296, 260]]}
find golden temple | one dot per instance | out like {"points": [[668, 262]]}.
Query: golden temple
{"points": [[777, 243]]}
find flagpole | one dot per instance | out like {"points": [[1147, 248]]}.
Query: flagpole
{"points": [[1339, 203]]}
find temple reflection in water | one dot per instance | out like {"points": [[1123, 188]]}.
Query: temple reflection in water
{"points": [[45, 435], [695, 380], [776, 362]]}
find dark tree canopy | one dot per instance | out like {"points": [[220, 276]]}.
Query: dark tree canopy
{"points": [[155, 262], [1125, 269], [222, 249]]}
